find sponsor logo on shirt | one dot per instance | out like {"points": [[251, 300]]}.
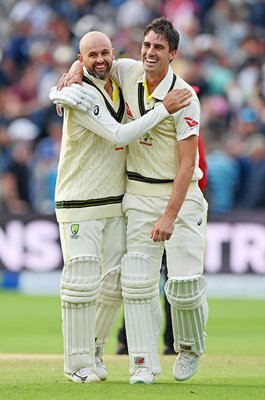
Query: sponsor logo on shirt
{"points": [[96, 110], [146, 140], [191, 122], [128, 111]]}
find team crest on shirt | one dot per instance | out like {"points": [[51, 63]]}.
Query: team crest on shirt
{"points": [[74, 230], [146, 140], [191, 122]]}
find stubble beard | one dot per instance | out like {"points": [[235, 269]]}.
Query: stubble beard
{"points": [[102, 75]]}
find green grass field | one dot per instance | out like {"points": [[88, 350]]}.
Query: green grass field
{"points": [[31, 362]]}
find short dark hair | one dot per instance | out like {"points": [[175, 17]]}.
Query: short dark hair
{"points": [[164, 28]]}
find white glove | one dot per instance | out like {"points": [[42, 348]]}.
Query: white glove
{"points": [[74, 96]]}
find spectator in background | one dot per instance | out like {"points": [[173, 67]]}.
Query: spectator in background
{"points": [[45, 162], [254, 194], [222, 46], [5, 147], [16, 180], [223, 177], [245, 123], [17, 176]]}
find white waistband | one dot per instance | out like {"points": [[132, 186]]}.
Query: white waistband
{"points": [[154, 189]]}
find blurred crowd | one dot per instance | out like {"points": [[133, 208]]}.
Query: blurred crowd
{"points": [[222, 52]]}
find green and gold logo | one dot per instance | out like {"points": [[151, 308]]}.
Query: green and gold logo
{"points": [[74, 230]]}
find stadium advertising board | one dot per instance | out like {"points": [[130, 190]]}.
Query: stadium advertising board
{"points": [[235, 244]]}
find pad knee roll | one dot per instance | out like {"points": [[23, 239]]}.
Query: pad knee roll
{"points": [[80, 280], [139, 277]]}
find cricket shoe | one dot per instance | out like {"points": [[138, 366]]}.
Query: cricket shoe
{"points": [[142, 375], [101, 369], [83, 375], [185, 366]]}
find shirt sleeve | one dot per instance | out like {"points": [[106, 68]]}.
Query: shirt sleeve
{"points": [[188, 121], [120, 69], [99, 121]]}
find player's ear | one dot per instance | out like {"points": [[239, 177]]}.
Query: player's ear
{"points": [[172, 55], [80, 58], [113, 53]]}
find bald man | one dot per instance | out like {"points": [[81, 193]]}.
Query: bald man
{"points": [[89, 192]]}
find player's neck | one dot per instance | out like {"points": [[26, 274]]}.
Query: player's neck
{"points": [[108, 87], [152, 81]]}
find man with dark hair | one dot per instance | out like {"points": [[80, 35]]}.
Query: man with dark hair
{"points": [[165, 208]]}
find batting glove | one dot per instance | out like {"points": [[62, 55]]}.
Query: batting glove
{"points": [[74, 96]]}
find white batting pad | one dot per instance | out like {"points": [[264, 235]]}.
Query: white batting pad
{"points": [[79, 291], [189, 311], [108, 304], [143, 316]]}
